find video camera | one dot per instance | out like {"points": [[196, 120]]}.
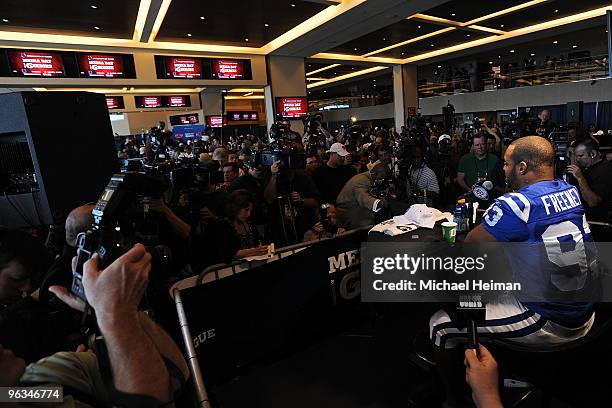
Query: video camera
{"points": [[289, 157], [121, 220], [560, 141]]}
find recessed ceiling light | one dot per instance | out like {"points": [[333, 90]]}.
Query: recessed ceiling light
{"points": [[555, 42], [384, 39], [556, 11], [292, 5], [453, 14], [501, 25], [375, 85], [202, 18], [4, 20], [373, 80], [511, 51], [246, 39], [324, 91], [93, 6], [467, 35], [188, 34], [432, 45], [418, 26], [403, 53], [532, 54], [574, 46], [354, 49], [499, 56], [439, 66], [266, 25], [96, 28], [491, 62]]}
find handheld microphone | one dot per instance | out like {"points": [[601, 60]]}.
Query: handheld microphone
{"points": [[480, 191]]}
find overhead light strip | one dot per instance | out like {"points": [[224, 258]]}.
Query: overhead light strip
{"points": [[486, 29], [161, 15], [505, 11], [229, 97], [315, 79], [512, 34], [316, 71], [141, 18], [412, 40], [346, 76]]}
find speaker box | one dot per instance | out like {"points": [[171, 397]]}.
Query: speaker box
{"points": [[57, 152], [574, 112]]}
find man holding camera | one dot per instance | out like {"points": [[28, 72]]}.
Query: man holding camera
{"points": [[333, 175], [357, 204], [146, 366], [592, 175], [293, 198]]}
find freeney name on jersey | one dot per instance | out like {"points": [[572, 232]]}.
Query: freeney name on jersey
{"points": [[561, 201]]}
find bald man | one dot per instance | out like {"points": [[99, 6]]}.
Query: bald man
{"points": [[356, 206], [60, 273], [553, 270]]}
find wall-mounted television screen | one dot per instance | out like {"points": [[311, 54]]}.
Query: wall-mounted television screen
{"points": [[243, 116], [101, 66], [291, 107], [215, 121], [115, 102], [188, 119], [36, 63], [183, 67], [228, 69], [148, 101], [176, 101]]}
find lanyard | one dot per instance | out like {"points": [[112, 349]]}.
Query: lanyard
{"points": [[478, 171]]}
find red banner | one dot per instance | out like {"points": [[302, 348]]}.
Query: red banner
{"points": [[96, 65], [178, 101], [42, 64], [183, 68], [215, 121], [228, 69], [290, 108]]}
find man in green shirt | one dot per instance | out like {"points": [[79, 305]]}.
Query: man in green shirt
{"points": [[477, 165]]}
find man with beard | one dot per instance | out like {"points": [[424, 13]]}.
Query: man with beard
{"points": [[556, 300]]}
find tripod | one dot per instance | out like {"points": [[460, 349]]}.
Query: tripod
{"points": [[287, 210]]}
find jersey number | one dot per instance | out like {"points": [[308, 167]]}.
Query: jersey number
{"points": [[567, 282]]}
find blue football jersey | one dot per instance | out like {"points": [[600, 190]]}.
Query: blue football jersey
{"points": [[550, 213]]}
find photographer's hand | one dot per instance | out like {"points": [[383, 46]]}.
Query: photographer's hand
{"points": [[275, 167]]}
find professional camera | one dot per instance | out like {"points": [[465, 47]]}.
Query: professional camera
{"points": [[380, 188], [289, 157], [121, 219], [560, 141], [279, 131]]}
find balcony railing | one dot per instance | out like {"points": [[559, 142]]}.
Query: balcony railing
{"points": [[503, 78]]}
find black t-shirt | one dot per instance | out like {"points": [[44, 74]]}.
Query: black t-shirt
{"points": [[599, 177], [330, 181]]}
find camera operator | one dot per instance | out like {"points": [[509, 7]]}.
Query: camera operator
{"points": [[146, 366], [356, 205], [327, 227], [333, 175], [422, 181], [312, 164], [220, 156], [593, 176], [300, 198], [231, 171], [476, 166], [544, 126]]}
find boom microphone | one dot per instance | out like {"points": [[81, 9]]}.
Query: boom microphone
{"points": [[479, 191]]}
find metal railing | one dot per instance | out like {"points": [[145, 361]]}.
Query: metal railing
{"points": [[551, 72]]}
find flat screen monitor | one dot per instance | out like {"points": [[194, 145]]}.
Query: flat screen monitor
{"points": [[188, 119], [215, 121], [291, 107], [115, 102], [101, 66], [177, 101], [36, 63], [183, 67], [228, 69], [148, 101]]}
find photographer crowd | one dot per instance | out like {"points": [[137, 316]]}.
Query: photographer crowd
{"points": [[215, 201]]}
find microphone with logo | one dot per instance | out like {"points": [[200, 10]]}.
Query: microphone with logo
{"points": [[480, 191]]}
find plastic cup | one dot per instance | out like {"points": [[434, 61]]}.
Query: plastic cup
{"points": [[449, 231]]}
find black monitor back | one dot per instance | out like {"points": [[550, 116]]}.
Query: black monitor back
{"points": [[57, 152]]}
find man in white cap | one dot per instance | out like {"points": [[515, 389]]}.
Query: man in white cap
{"points": [[333, 175]]}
